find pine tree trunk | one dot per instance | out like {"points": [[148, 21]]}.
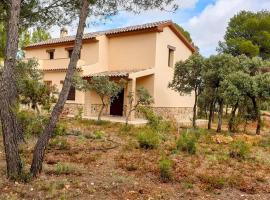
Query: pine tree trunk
{"points": [[258, 115], [232, 118], [211, 115], [195, 110], [8, 94], [220, 115], [43, 140]]}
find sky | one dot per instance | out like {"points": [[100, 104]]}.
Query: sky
{"points": [[206, 20]]}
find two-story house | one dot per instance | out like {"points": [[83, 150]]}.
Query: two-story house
{"points": [[144, 55]]}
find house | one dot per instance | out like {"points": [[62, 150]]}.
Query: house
{"points": [[144, 55]]}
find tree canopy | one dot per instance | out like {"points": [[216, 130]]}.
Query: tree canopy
{"points": [[248, 33]]}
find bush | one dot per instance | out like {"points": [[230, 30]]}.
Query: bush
{"points": [[154, 121], [239, 150], [60, 130], [148, 139], [79, 113], [165, 168], [32, 124], [60, 144], [187, 142], [62, 168], [98, 134]]}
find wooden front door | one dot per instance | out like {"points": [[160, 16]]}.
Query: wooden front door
{"points": [[116, 107]]}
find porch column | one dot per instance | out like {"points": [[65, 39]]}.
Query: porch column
{"points": [[132, 88]]}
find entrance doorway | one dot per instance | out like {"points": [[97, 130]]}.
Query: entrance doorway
{"points": [[116, 107]]}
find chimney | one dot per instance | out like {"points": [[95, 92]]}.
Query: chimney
{"points": [[63, 32]]}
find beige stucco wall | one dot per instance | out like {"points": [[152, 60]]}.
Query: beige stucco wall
{"points": [[137, 51], [56, 77], [132, 52], [165, 97]]}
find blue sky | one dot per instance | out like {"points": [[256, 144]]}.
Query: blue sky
{"points": [[206, 20]]}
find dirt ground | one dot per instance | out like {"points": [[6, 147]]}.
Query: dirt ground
{"points": [[105, 162]]}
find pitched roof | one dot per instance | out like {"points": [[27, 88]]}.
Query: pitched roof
{"points": [[159, 25], [116, 73]]}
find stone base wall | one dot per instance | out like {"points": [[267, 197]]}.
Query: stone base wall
{"points": [[95, 108], [175, 113], [72, 109]]}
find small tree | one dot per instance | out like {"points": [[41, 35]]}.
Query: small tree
{"points": [[187, 78], [106, 89], [143, 98], [31, 89]]}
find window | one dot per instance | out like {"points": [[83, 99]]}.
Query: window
{"points": [[72, 92], [48, 83], [171, 56], [70, 53], [51, 53], [70, 50]]}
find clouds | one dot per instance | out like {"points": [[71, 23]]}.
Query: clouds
{"points": [[208, 27], [206, 20]]}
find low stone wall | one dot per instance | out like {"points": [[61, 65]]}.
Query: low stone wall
{"points": [[175, 113], [72, 109], [95, 108]]}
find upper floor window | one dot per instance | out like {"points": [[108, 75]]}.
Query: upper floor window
{"points": [[48, 83], [70, 50], [51, 53], [171, 51]]}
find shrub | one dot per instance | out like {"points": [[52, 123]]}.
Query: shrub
{"points": [[213, 181], [98, 134], [155, 121], [60, 130], [187, 143], [148, 139], [60, 144], [239, 149], [32, 124], [79, 113], [165, 168], [62, 168], [126, 128]]}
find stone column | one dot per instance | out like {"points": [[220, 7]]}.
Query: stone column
{"points": [[132, 88]]}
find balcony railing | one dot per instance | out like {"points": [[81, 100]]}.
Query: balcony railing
{"points": [[59, 63]]}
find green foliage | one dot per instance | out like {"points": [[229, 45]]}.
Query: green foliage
{"points": [[32, 90], [99, 134], [40, 35], [143, 99], [79, 114], [165, 168], [239, 150], [106, 89], [187, 142], [248, 33], [60, 130], [59, 143], [184, 32], [155, 121], [32, 124], [188, 75], [63, 168], [265, 142], [148, 139]]}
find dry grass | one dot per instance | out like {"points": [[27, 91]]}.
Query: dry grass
{"points": [[104, 161]]}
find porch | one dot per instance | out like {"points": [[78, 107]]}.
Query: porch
{"points": [[117, 110]]}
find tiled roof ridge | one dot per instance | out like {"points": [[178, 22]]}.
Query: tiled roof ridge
{"points": [[92, 35]]}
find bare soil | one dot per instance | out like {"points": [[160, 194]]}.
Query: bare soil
{"points": [[110, 165]]}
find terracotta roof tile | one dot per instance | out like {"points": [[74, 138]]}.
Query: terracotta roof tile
{"points": [[98, 33], [117, 73]]}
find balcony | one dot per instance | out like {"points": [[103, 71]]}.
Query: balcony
{"points": [[58, 63]]}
